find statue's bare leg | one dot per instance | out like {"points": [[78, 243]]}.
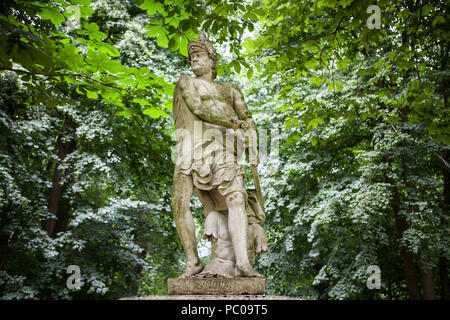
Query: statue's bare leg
{"points": [[181, 196], [206, 201], [237, 226]]}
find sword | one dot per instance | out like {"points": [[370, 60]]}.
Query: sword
{"points": [[254, 169], [257, 186]]}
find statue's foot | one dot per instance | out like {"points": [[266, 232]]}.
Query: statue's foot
{"points": [[246, 271], [191, 270]]}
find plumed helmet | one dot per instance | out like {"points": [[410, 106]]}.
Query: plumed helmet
{"points": [[204, 44]]}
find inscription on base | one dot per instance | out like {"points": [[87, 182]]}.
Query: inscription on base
{"points": [[202, 286]]}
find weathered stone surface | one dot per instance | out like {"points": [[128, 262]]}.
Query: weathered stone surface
{"points": [[210, 141], [217, 286]]}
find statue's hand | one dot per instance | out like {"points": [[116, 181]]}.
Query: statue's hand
{"points": [[242, 124], [246, 124]]}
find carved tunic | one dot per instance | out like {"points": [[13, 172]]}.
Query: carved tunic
{"points": [[206, 151]]}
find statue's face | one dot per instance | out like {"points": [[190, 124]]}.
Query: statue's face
{"points": [[201, 63]]}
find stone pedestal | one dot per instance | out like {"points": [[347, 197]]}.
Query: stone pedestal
{"points": [[217, 286]]}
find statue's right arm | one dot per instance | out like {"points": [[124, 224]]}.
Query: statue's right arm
{"points": [[196, 106]]}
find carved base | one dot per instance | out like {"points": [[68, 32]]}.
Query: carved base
{"points": [[216, 286]]}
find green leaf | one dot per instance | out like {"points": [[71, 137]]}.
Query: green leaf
{"points": [[152, 7], [168, 88], [173, 21], [314, 123], [162, 40], [438, 19], [91, 27], [82, 2], [183, 46], [127, 114], [153, 31], [97, 35], [155, 113], [237, 66], [250, 73], [142, 102], [147, 5], [91, 94], [292, 139], [169, 105], [220, 69], [109, 49], [86, 11], [251, 16], [174, 42], [52, 14], [114, 66], [342, 64], [73, 12], [291, 122]]}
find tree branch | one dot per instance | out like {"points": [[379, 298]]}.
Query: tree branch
{"points": [[62, 75]]}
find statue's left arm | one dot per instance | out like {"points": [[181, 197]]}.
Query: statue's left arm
{"points": [[240, 107], [244, 115]]}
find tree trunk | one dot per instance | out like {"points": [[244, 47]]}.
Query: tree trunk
{"points": [[64, 148], [138, 270], [407, 257], [427, 280], [63, 218], [426, 271], [3, 249], [443, 272]]}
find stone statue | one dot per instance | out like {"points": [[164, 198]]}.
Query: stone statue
{"points": [[209, 144]]}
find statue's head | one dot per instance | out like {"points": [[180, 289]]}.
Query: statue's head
{"points": [[202, 56]]}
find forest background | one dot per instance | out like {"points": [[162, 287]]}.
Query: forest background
{"points": [[357, 118]]}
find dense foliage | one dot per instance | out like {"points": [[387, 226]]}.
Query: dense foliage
{"points": [[361, 178]]}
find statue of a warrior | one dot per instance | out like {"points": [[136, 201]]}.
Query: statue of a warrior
{"points": [[209, 144]]}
